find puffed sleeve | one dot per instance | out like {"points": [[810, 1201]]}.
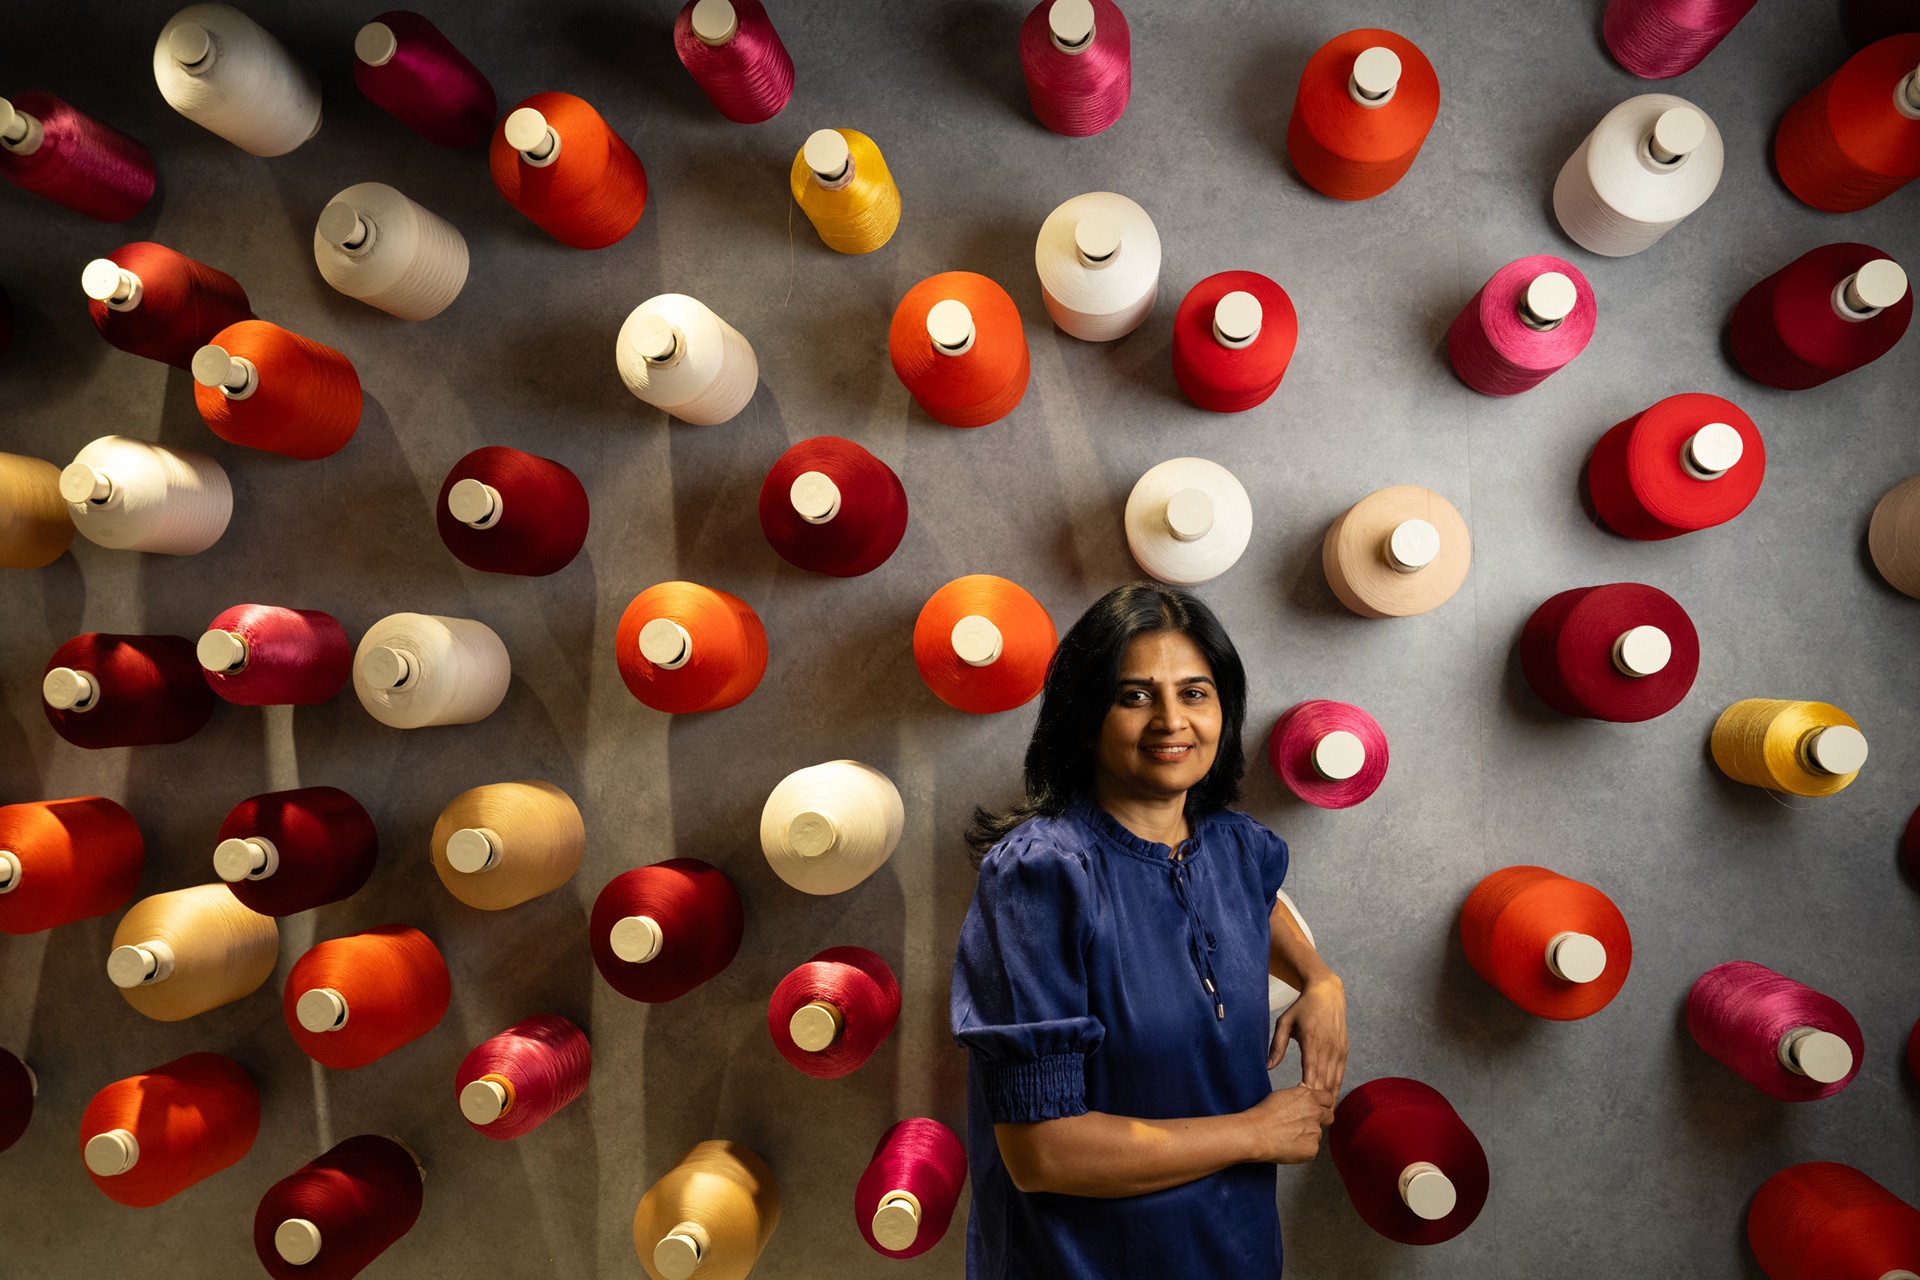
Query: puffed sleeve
{"points": [[1271, 852], [1020, 983]]}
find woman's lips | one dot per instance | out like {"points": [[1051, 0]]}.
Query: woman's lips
{"points": [[1169, 753]]}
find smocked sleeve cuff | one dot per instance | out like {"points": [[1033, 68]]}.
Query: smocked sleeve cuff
{"points": [[1035, 1089]]}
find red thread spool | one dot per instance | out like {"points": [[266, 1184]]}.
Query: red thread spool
{"points": [[1529, 321], [285, 852], [658, 932], [1077, 57], [1352, 151], [353, 1000], [983, 644], [1855, 140], [1556, 947], [416, 75], [1230, 372], [66, 860], [829, 506], [1757, 1022], [334, 1215], [682, 647], [261, 386], [906, 1197], [1788, 331], [106, 690], [150, 301], [965, 370], [1390, 1138], [733, 53], [1689, 462], [1826, 1221], [1622, 652], [17, 1088], [830, 1014], [1330, 754], [514, 1083], [262, 655], [1870, 20], [169, 1128], [89, 167], [504, 511], [589, 191]]}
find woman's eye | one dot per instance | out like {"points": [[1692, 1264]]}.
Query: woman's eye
{"points": [[1196, 695]]}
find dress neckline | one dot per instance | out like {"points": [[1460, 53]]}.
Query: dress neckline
{"points": [[1115, 833]]}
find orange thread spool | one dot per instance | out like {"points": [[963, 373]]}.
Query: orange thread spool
{"points": [[66, 860], [961, 384], [983, 644], [186, 1121], [1854, 140], [302, 399], [592, 189], [1827, 1221], [385, 988], [682, 647], [1352, 151], [1512, 929]]}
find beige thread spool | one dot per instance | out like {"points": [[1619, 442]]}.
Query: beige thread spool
{"points": [[374, 244], [226, 73], [1396, 553], [674, 353], [413, 670], [504, 843], [135, 496], [34, 526], [1893, 537], [182, 953], [710, 1216], [1801, 748], [826, 828]]}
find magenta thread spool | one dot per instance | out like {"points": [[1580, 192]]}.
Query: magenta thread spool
{"points": [[408, 69], [1330, 754], [285, 852], [733, 53], [513, 1083], [1077, 56], [504, 511], [1659, 39], [1526, 324], [906, 1198], [262, 655], [1783, 1038], [57, 151]]}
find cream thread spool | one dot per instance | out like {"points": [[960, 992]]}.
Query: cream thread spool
{"points": [[1870, 290], [505, 843], [674, 353], [182, 953], [1818, 1055], [826, 828], [223, 71], [1426, 1190], [1576, 957], [1376, 74], [135, 496], [1188, 521], [1649, 163], [35, 529], [374, 244], [528, 132], [412, 670], [1098, 258]]}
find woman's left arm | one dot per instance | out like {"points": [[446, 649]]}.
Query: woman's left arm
{"points": [[1318, 1019]]}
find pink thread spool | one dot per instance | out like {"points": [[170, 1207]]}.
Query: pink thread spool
{"points": [[1785, 1039], [829, 1015], [733, 53], [1077, 56], [285, 852], [408, 69], [514, 1083], [60, 152], [261, 655], [905, 1199], [1526, 324], [1330, 754], [1659, 39]]}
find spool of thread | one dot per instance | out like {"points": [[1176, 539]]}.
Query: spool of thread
{"points": [[1660, 39], [1649, 163], [957, 345], [906, 1197], [515, 1082], [147, 1138], [374, 244], [1233, 337], [226, 73], [182, 953], [658, 932], [17, 1089], [827, 827], [354, 1000], [150, 301], [554, 159], [35, 529], [983, 644], [1398, 552], [1414, 1171], [60, 152], [101, 690], [1830, 311], [504, 511], [682, 648], [1077, 56], [1824, 1221], [1869, 20], [1689, 462], [1526, 324], [1366, 102], [1188, 520], [285, 852], [1893, 537], [415, 669], [135, 496], [842, 183], [710, 1216], [829, 506], [1801, 748], [674, 353], [829, 1015], [506, 843], [66, 860], [1786, 1040], [1622, 652], [1098, 256], [263, 655], [267, 388], [408, 69], [1330, 754], [1855, 140], [1556, 947], [733, 53], [334, 1215]]}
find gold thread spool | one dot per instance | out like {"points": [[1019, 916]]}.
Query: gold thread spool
{"points": [[531, 831], [1360, 564], [1765, 742], [34, 526], [711, 1215], [856, 211], [217, 951], [1893, 537]]}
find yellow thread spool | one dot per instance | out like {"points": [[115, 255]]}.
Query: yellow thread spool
{"points": [[185, 952], [34, 526], [1777, 744], [711, 1215], [1893, 537], [855, 211], [506, 843]]}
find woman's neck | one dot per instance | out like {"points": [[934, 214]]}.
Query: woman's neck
{"points": [[1160, 819]]}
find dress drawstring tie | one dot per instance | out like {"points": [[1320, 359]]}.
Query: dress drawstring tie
{"points": [[1200, 941]]}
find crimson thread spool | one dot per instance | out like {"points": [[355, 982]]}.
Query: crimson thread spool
{"points": [[906, 1196], [66, 860], [1855, 140], [733, 53], [147, 1138], [59, 152], [1623, 652], [150, 301], [554, 159], [1366, 102], [983, 643], [1233, 337], [513, 1083], [1801, 748], [1686, 463], [34, 527], [137, 496], [229, 75], [1077, 56], [18, 1087], [1660, 39], [334, 1215], [266, 388], [1556, 947], [828, 506], [1828, 312], [1826, 1221], [354, 1000], [683, 648], [408, 69], [102, 690], [176, 955], [1526, 324], [829, 1015], [711, 1215], [658, 932], [1330, 754], [285, 852], [505, 843], [957, 345], [1414, 1171], [1785, 1039], [504, 511], [264, 655]]}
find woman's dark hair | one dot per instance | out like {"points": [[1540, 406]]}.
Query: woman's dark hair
{"points": [[1081, 682]]}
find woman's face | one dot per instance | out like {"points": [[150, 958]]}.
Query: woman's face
{"points": [[1163, 729]]}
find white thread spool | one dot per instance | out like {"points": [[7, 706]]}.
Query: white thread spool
{"points": [[1098, 256], [135, 496], [674, 353], [1618, 193], [1188, 520], [225, 72], [374, 244], [1818, 1055], [826, 828], [413, 669], [1427, 1191]]}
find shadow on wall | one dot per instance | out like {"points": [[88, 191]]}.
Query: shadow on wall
{"points": [[1264, 90]]}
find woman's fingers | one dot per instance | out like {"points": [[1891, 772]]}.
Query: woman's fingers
{"points": [[1282, 1032]]}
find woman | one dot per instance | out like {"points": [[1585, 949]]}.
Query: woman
{"points": [[1111, 980]]}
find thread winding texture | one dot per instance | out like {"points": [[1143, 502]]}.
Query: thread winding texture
{"points": [[593, 192], [1508, 927], [1078, 94], [168, 501], [539, 518], [1223, 379], [749, 76], [724, 654], [191, 1117], [1098, 300], [868, 517], [428, 84], [924, 1159], [324, 848], [221, 950], [1567, 652], [1641, 485], [1355, 554], [1826, 1221], [394, 984], [70, 860], [455, 671], [700, 920], [1788, 333], [361, 1195], [305, 402], [1299, 730], [827, 827], [1496, 352], [979, 385], [1893, 536], [725, 1192], [1025, 639], [407, 260], [1353, 152], [544, 1061], [1738, 1012], [1215, 507], [182, 304], [1659, 39], [709, 373], [535, 836], [16, 1099], [35, 529], [147, 691], [1762, 742], [1384, 1126], [1614, 198], [860, 988], [247, 88], [81, 164], [1847, 144], [294, 657], [858, 212]]}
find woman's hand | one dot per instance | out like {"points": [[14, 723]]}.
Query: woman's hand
{"points": [[1286, 1124], [1318, 1020]]}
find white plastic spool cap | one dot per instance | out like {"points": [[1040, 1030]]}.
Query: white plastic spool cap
{"points": [[215, 366], [1677, 133], [1339, 755], [636, 939], [1906, 96], [19, 132], [714, 22], [528, 132], [112, 1153], [812, 833], [221, 651], [321, 1009], [679, 1253], [1902, 1273], [1376, 73], [68, 690], [9, 871], [471, 850], [1550, 297], [1818, 1055], [1190, 515], [1837, 749], [1237, 319], [827, 154], [483, 1101], [135, 966], [297, 1241], [654, 338], [1576, 957], [80, 483], [1713, 450], [105, 280], [475, 504], [950, 325], [896, 1223], [252, 858], [33, 1081], [189, 44], [1427, 1191], [665, 643], [1877, 285], [1096, 238], [815, 1026], [386, 667], [814, 496], [375, 44], [1642, 651], [976, 641], [1413, 545], [1070, 23], [341, 224]]}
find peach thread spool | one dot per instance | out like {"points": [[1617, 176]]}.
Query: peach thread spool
{"points": [[1397, 553], [100, 691], [264, 387], [906, 1197], [1188, 520], [413, 670], [842, 183], [1098, 258], [262, 655], [373, 243], [1826, 1221], [982, 644], [333, 1216], [1855, 140], [226, 73], [1893, 537], [827, 827], [710, 1216], [66, 860], [149, 301], [554, 159], [35, 529], [957, 346], [506, 843], [683, 648], [147, 1138], [354, 1000], [1800, 748], [658, 932], [1554, 946], [675, 354], [1782, 1037], [1366, 102], [516, 1081], [831, 1014], [135, 496], [1649, 163], [18, 1089], [182, 953], [285, 852]]}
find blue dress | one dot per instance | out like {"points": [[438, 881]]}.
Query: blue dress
{"points": [[1094, 974]]}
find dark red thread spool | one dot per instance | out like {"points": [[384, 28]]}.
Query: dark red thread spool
{"points": [[17, 1089], [66, 860], [263, 655], [1594, 652], [1855, 140], [733, 53], [1389, 1138], [353, 1000], [504, 511], [658, 932], [968, 367], [408, 69], [906, 1197], [1230, 372], [334, 1215], [1788, 331], [513, 1083], [1781, 1036], [104, 690], [829, 506], [166, 1129], [830, 1014], [150, 301], [1077, 56], [587, 190], [683, 648], [261, 386], [1556, 947], [285, 852], [1689, 462], [1825, 1221], [62, 153]]}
